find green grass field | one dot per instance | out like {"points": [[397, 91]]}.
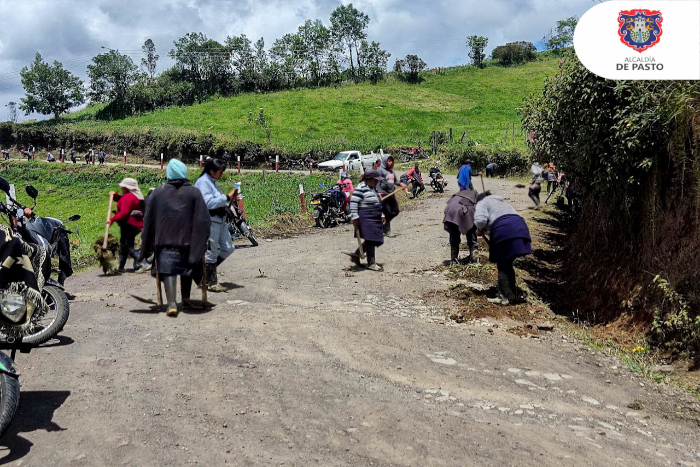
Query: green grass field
{"points": [[84, 190], [363, 116]]}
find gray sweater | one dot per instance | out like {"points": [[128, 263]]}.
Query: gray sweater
{"points": [[489, 209]]}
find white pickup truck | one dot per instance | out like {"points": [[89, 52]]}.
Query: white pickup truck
{"points": [[352, 160]]}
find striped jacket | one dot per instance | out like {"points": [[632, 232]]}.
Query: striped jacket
{"points": [[362, 196]]}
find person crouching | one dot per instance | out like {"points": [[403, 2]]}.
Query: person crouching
{"points": [[368, 218], [510, 239]]}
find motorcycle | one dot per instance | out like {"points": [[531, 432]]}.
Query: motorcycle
{"points": [[50, 236], [437, 180], [237, 225], [330, 207]]}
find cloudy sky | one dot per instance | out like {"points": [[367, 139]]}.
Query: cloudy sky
{"points": [[73, 31]]}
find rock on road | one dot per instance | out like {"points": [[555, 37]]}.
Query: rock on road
{"points": [[306, 363]]}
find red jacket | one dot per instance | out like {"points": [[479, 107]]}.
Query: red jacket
{"points": [[126, 205]]}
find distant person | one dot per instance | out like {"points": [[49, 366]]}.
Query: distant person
{"points": [[32, 150], [464, 177], [73, 156], [345, 184], [510, 239], [88, 158], [50, 158], [176, 229], [6, 154], [226, 158], [459, 220], [416, 178], [101, 157], [491, 169], [535, 184], [387, 185]]}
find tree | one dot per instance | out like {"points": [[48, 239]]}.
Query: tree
{"points": [[148, 63], [111, 74], [373, 60], [476, 46], [203, 62], [12, 111], [50, 89], [409, 68], [315, 41], [348, 25], [514, 53], [564, 36]]}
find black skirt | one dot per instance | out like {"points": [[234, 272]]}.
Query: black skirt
{"points": [[172, 261]]}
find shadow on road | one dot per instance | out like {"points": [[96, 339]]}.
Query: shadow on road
{"points": [[545, 264], [36, 410], [58, 341]]}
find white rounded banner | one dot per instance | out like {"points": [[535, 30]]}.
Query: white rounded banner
{"points": [[641, 40]]}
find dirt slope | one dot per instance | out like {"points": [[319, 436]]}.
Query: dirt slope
{"points": [[306, 363]]}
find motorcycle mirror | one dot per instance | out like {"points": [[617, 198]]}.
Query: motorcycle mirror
{"points": [[74, 218], [32, 192], [4, 185]]}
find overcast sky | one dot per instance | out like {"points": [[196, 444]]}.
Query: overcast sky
{"points": [[73, 31]]}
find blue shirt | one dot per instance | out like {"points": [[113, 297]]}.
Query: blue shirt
{"points": [[464, 177]]}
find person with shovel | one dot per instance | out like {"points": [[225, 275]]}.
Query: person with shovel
{"points": [[176, 230], [387, 186], [129, 217], [368, 219], [510, 239], [458, 221]]}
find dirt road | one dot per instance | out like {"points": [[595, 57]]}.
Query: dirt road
{"points": [[306, 363]]}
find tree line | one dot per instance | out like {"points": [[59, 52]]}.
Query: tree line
{"points": [[315, 55]]}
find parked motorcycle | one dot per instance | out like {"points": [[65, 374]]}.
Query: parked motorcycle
{"points": [[9, 390], [437, 180], [330, 207], [237, 225], [49, 235]]}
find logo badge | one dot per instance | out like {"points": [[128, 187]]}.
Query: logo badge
{"points": [[640, 29]]}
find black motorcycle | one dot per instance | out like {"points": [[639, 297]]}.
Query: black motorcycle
{"points": [[51, 237], [237, 225], [437, 180], [330, 207]]}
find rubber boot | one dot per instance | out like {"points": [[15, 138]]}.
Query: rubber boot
{"points": [[213, 279], [170, 286], [454, 254], [122, 264], [471, 258]]}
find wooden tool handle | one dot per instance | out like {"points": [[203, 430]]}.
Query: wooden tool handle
{"points": [[482, 183], [395, 191], [204, 279], [109, 211]]}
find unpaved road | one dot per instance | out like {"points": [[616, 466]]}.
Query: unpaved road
{"points": [[305, 363]]}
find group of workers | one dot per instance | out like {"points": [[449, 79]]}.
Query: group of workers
{"points": [[468, 213], [182, 228]]}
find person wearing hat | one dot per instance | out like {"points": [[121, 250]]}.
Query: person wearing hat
{"points": [[175, 231], [367, 218], [464, 177], [129, 217], [416, 178]]}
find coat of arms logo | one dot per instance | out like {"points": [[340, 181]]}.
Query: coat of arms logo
{"points": [[640, 29]]}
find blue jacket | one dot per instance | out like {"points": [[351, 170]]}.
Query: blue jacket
{"points": [[464, 177]]}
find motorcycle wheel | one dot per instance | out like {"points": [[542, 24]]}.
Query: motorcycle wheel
{"points": [[248, 232], [9, 397], [53, 321]]}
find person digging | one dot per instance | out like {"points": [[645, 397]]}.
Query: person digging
{"points": [[458, 221], [368, 219]]}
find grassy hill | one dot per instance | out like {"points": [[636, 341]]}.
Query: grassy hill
{"points": [[479, 101]]}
